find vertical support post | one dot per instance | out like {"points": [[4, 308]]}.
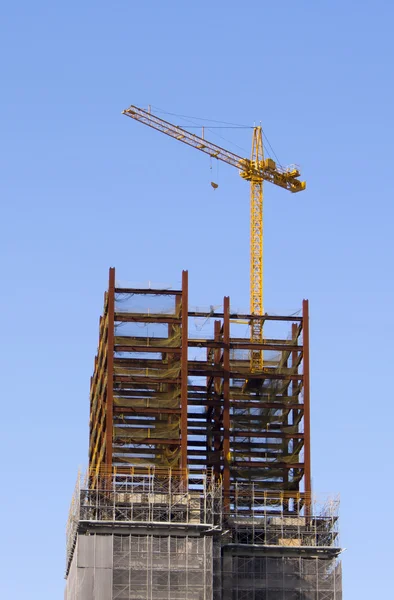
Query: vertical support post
{"points": [[307, 417], [184, 369], [226, 403], [109, 424], [216, 409]]}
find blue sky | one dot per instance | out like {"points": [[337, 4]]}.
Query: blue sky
{"points": [[84, 188]]}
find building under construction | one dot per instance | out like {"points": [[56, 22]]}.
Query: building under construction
{"points": [[199, 478]]}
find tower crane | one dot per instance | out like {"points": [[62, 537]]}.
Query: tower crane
{"points": [[256, 170]]}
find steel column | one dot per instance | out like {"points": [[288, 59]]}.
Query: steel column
{"points": [[307, 427], [110, 371], [216, 409], [184, 369], [226, 402]]}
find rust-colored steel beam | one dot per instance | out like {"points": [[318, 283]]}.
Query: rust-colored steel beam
{"points": [[198, 451], [200, 370], [226, 402], [254, 346], [127, 410], [146, 449], [248, 464], [184, 368], [110, 368], [150, 349], [238, 396], [244, 317], [254, 434], [264, 466], [147, 291], [149, 441], [257, 445], [140, 379], [307, 417], [137, 318], [244, 345], [239, 404], [140, 422], [132, 364], [135, 393]]}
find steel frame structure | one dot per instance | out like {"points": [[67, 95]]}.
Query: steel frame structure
{"points": [[199, 478], [138, 395], [151, 404]]}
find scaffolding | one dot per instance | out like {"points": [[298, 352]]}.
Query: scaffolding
{"points": [[254, 577], [161, 527], [280, 547], [168, 536], [282, 520]]}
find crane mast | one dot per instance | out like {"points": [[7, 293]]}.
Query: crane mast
{"points": [[256, 170], [256, 249]]}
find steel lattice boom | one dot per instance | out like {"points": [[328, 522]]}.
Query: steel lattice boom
{"points": [[256, 170]]}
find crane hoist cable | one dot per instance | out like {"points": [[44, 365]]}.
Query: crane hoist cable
{"points": [[256, 170]]}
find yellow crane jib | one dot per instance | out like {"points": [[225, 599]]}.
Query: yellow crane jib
{"points": [[256, 170]]}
